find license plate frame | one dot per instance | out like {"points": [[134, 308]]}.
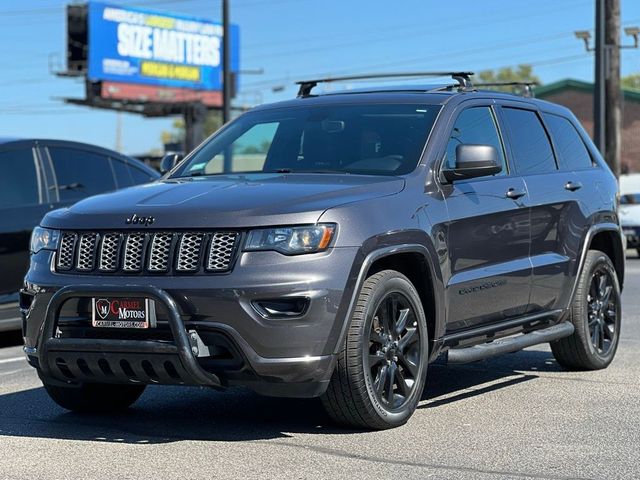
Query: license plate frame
{"points": [[123, 312]]}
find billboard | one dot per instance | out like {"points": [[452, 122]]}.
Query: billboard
{"points": [[139, 46]]}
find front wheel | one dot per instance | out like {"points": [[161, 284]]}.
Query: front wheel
{"points": [[596, 316], [94, 397], [381, 369]]}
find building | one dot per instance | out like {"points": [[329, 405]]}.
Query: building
{"points": [[578, 96]]}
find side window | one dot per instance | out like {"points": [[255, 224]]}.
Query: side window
{"points": [[18, 181], [81, 173], [529, 142], [122, 172], [572, 152], [475, 126], [139, 176], [248, 152]]}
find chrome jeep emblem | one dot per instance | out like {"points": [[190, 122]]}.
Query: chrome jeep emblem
{"points": [[136, 220]]}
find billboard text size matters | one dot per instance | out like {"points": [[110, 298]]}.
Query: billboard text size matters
{"points": [[141, 46]]}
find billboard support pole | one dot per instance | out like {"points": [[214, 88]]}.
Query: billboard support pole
{"points": [[226, 64], [194, 119]]}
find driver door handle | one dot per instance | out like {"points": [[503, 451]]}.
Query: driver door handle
{"points": [[573, 186], [515, 194]]}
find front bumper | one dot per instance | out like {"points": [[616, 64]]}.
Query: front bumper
{"points": [[284, 357]]}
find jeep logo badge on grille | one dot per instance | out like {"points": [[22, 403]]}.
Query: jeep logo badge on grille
{"points": [[136, 220]]}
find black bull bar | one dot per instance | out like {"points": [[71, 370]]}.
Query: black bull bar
{"points": [[81, 357]]}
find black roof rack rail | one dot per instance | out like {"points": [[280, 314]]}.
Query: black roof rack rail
{"points": [[463, 79], [527, 86]]}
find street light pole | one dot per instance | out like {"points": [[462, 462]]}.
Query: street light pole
{"points": [[226, 64]]}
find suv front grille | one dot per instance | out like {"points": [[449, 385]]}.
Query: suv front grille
{"points": [[148, 252]]}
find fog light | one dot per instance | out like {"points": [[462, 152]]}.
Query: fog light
{"points": [[288, 307]]}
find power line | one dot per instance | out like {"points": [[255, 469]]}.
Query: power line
{"points": [[417, 30]]}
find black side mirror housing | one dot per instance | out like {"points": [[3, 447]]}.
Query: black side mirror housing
{"points": [[474, 161], [169, 161]]}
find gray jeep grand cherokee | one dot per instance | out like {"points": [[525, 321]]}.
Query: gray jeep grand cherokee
{"points": [[333, 246]]}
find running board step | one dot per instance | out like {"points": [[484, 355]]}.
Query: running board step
{"points": [[510, 344]]}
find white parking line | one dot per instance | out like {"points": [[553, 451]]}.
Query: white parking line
{"points": [[11, 360]]}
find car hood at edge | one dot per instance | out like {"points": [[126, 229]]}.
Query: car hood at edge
{"points": [[229, 201]]}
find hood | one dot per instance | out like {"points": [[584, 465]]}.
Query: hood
{"points": [[229, 201]]}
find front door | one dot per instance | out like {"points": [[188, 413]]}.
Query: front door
{"points": [[488, 233], [21, 209]]}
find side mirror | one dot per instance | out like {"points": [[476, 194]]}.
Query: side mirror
{"points": [[474, 161], [169, 161]]}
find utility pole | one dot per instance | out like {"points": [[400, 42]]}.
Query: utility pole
{"points": [[226, 64], [195, 115], [613, 93], [599, 105], [607, 94]]}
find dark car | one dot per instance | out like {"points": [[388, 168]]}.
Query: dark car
{"points": [[334, 245], [37, 176]]}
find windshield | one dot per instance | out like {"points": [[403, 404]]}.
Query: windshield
{"points": [[359, 139], [630, 199]]}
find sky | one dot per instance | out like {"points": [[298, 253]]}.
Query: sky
{"points": [[291, 40]]}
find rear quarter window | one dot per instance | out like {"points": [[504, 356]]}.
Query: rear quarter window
{"points": [[572, 152]]}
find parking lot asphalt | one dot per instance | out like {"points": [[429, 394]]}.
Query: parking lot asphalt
{"points": [[516, 416]]}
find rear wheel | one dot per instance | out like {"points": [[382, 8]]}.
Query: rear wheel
{"points": [[596, 316], [381, 369], [95, 397]]}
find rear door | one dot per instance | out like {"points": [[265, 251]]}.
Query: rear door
{"points": [[579, 177], [556, 221], [488, 232], [22, 205]]}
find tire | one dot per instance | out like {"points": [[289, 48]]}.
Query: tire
{"points": [[95, 397], [638, 250], [381, 367], [596, 315]]}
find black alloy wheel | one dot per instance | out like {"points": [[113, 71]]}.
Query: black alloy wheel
{"points": [[602, 312], [394, 353]]}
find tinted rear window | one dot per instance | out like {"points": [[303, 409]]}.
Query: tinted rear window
{"points": [[81, 173], [572, 152], [122, 172], [529, 142], [18, 180]]}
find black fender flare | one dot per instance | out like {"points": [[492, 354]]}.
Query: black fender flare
{"points": [[362, 264]]}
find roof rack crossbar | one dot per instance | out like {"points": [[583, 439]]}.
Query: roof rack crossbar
{"points": [[527, 86], [463, 79]]}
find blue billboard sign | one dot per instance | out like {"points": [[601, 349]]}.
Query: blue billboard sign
{"points": [[134, 45]]}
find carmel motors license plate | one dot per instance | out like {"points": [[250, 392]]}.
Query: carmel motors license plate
{"points": [[119, 312]]}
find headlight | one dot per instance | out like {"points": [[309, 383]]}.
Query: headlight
{"points": [[44, 239], [291, 240]]}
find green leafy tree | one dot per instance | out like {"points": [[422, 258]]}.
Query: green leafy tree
{"points": [[176, 134], [631, 82], [523, 73]]}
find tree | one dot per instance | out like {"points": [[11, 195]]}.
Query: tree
{"points": [[176, 135], [523, 73], [631, 82]]}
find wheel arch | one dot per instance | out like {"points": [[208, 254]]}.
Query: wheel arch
{"points": [[607, 239], [412, 260]]}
